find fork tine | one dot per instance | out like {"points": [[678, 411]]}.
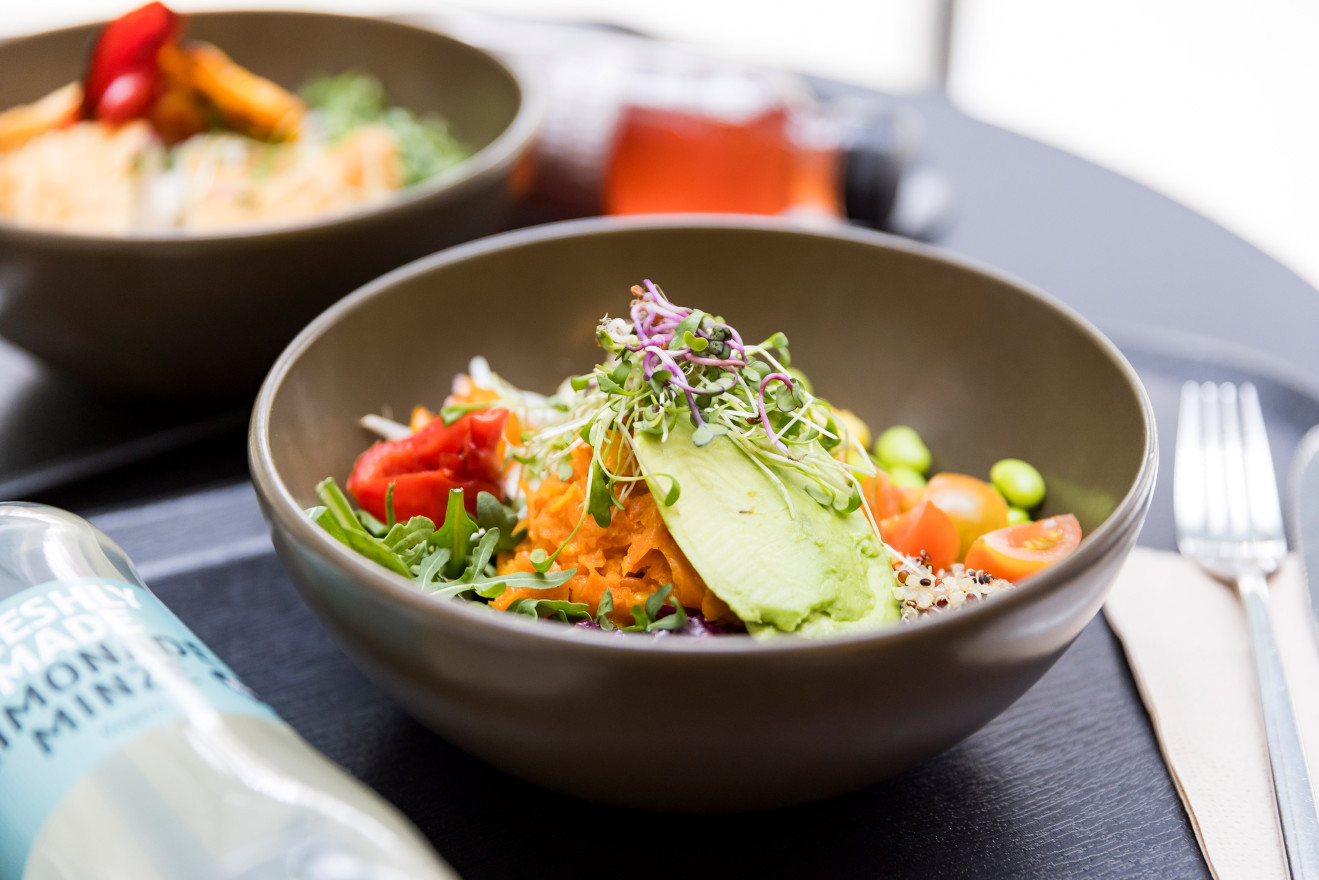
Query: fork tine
{"points": [[1216, 503], [1234, 463], [1261, 484], [1188, 488]]}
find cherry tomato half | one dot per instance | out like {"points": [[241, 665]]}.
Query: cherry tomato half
{"points": [[1021, 550], [974, 506], [925, 528], [884, 498], [424, 466]]}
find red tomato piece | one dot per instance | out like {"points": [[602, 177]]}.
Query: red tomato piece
{"points": [[128, 96], [128, 45], [425, 466], [925, 529], [1021, 550], [884, 498]]}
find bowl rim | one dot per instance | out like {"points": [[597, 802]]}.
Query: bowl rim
{"points": [[494, 627], [506, 147]]}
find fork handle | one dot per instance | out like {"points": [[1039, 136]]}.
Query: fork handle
{"points": [[1291, 779]]}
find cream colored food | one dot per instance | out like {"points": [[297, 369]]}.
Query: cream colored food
{"points": [[98, 178]]}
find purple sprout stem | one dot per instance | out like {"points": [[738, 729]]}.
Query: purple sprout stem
{"points": [[760, 405]]}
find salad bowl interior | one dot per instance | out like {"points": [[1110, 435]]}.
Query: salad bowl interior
{"points": [[899, 333], [173, 312]]}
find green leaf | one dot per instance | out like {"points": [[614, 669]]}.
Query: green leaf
{"points": [[432, 567], [655, 601], [493, 514], [551, 609], [337, 505], [456, 533], [481, 558], [404, 537], [706, 432], [850, 503], [540, 560], [454, 412], [602, 609], [565, 470], [671, 496], [585, 432], [831, 443], [580, 383], [389, 507], [371, 524], [819, 494], [356, 538], [600, 499], [784, 399], [676, 620]]}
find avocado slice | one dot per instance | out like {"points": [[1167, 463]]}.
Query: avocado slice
{"points": [[810, 569]]}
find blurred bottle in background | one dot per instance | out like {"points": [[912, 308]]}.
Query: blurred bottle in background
{"points": [[639, 126], [128, 751]]}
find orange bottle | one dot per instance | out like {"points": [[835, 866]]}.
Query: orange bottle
{"points": [[695, 135]]}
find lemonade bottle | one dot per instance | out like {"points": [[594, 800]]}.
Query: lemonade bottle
{"points": [[128, 751]]}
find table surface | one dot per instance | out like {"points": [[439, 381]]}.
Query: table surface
{"points": [[1067, 782]]}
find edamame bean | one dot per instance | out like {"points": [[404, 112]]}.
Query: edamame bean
{"points": [[905, 478], [901, 446], [1020, 483], [1016, 516]]}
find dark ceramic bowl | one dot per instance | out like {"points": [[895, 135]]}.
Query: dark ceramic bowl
{"points": [[179, 313], [983, 366]]}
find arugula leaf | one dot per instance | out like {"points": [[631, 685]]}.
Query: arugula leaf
{"points": [[492, 514], [556, 609], [360, 540], [456, 534], [442, 561], [371, 524]]}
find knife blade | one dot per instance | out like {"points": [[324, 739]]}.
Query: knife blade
{"points": [[1305, 501]]}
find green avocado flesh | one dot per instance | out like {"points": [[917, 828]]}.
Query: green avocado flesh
{"points": [[810, 570]]}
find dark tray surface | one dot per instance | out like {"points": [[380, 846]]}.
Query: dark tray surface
{"points": [[1068, 782]]}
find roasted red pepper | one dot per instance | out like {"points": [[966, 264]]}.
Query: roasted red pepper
{"points": [[123, 78], [425, 466]]}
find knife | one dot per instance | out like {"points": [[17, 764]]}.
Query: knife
{"points": [[1305, 501]]}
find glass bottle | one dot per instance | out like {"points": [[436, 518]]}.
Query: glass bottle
{"points": [[128, 750]]}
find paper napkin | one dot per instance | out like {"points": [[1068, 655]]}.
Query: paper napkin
{"points": [[1186, 640]]}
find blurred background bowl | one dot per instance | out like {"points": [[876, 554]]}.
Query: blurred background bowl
{"points": [[981, 365], [181, 313]]}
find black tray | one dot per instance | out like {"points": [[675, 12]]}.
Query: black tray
{"points": [[1067, 782]]}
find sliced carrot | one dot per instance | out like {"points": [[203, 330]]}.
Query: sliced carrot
{"points": [[632, 557]]}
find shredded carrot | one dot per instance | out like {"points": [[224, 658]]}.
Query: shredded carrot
{"points": [[633, 557]]}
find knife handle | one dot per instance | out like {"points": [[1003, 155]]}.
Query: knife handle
{"points": [[1291, 777]]}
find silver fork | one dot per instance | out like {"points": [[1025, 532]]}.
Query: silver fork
{"points": [[1225, 503]]}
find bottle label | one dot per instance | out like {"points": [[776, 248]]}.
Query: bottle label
{"points": [[86, 666]]}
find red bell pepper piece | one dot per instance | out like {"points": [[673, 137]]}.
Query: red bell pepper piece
{"points": [[123, 78], [425, 466]]}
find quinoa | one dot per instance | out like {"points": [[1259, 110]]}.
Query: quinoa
{"points": [[924, 593]]}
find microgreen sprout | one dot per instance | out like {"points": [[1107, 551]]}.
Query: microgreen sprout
{"points": [[670, 362]]}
